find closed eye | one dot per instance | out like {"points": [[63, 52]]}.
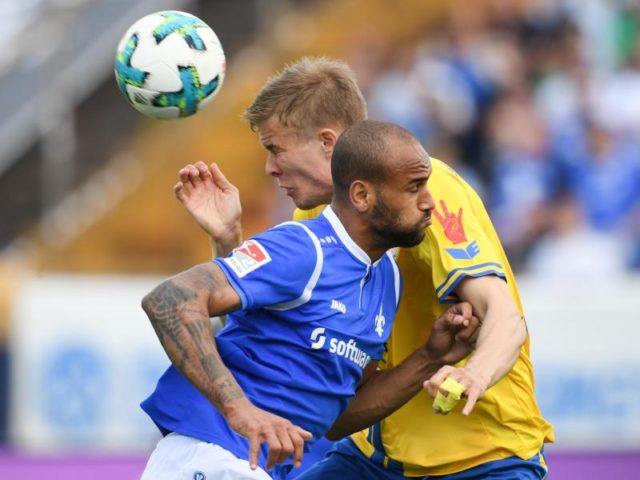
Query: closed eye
{"points": [[417, 184], [272, 148]]}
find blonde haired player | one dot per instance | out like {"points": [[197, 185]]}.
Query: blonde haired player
{"points": [[498, 430]]}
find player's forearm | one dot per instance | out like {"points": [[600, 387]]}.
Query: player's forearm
{"points": [[180, 317], [499, 343], [502, 333], [384, 393]]}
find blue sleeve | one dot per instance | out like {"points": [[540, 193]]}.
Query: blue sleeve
{"points": [[275, 267]]}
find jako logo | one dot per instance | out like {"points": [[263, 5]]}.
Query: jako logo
{"points": [[348, 350], [339, 306]]}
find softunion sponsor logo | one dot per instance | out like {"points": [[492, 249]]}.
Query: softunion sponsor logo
{"points": [[348, 349]]}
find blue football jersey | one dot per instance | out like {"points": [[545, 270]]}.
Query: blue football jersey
{"points": [[315, 311]]}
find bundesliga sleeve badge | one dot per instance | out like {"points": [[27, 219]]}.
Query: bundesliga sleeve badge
{"points": [[247, 257]]}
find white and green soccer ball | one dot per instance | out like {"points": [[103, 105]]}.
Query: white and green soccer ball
{"points": [[169, 65]]}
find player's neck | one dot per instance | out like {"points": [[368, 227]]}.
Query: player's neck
{"points": [[359, 230]]}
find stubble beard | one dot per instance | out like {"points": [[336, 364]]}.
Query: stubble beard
{"points": [[386, 224]]}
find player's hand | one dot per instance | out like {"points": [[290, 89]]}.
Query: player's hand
{"points": [[211, 200], [258, 426], [454, 334], [474, 385]]}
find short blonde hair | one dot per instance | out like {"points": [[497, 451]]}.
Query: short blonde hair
{"points": [[309, 94]]}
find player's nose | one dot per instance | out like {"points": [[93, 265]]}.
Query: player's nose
{"points": [[271, 166], [426, 203]]}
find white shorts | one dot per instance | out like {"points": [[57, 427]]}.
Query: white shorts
{"points": [[177, 457]]}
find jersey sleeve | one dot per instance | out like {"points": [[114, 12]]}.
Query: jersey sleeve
{"points": [[461, 241], [277, 268]]}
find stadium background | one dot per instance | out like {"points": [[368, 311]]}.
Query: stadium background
{"points": [[536, 103]]}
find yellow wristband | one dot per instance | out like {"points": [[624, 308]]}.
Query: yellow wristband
{"points": [[454, 393]]}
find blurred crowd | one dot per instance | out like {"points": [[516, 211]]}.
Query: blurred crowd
{"points": [[539, 109]]}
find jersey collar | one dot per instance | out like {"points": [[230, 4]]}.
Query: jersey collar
{"points": [[344, 237]]}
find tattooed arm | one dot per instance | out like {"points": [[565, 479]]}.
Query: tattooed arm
{"points": [[180, 309]]}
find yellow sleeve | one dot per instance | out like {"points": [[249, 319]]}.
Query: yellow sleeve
{"points": [[299, 214], [461, 241]]}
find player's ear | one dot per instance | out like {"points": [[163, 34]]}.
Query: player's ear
{"points": [[328, 137], [362, 196]]}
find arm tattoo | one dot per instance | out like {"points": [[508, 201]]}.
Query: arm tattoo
{"points": [[162, 307], [179, 314], [213, 366]]}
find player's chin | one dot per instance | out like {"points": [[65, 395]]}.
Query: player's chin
{"points": [[419, 237], [302, 202], [410, 238]]}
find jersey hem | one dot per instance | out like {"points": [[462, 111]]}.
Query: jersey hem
{"points": [[410, 470]]}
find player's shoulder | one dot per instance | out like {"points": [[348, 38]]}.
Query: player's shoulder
{"points": [[293, 234], [446, 183], [444, 173], [287, 247]]}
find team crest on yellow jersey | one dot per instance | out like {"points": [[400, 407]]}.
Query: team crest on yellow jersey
{"points": [[454, 231]]}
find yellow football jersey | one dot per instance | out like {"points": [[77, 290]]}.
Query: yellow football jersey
{"points": [[506, 421]]}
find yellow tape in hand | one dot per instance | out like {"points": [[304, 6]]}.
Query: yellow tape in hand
{"points": [[454, 393]]}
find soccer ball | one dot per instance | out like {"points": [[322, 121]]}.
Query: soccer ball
{"points": [[169, 65]]}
